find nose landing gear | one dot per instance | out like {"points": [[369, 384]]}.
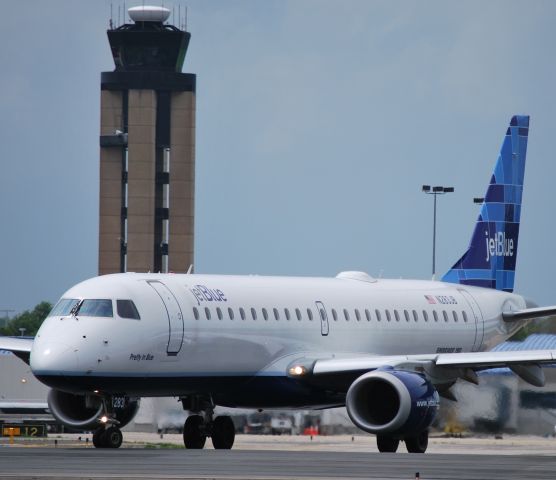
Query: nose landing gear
{"points": [[198, 427], [110, 437]]}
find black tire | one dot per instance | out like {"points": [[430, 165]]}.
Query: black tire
{"points": [[387, 444], [223, 433], [417, 444], [193, 438], [112, 437], [98, 437]]}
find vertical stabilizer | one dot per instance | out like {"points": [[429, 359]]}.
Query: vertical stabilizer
{"points": [[491, 257]]}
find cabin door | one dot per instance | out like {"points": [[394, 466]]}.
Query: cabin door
{"points": [[174, 316], [323, 319]]}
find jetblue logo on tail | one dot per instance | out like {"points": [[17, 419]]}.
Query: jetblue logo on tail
{"points": [[491, 257], [499, 246]]}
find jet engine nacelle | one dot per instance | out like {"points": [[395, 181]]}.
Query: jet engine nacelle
{"points": [[392, 402], [83, 412]]}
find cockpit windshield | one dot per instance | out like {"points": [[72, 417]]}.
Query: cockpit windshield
{"points": [[95, 308], [63, 307]]}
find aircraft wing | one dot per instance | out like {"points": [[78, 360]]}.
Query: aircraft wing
{"points": [[529, 313], [21, 347], [527, 364], [474, 360]]}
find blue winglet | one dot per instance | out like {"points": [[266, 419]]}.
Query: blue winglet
{"points": [[491, 257]]}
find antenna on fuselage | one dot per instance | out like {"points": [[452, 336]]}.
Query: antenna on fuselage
{"points": [[190, 270]]}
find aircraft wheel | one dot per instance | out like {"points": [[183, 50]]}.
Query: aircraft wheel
{"points": [[417, 444], [387, 444], [98, 437], [112, 437], [193, 438], [223, 433]]}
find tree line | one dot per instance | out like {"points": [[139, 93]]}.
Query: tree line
{"points": [[30, 320]]}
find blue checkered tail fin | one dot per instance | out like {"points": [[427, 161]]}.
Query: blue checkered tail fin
{"points": [[491, 257]]}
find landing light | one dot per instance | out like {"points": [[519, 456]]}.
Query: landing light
{"points": [[104, 419], [297, 371]]}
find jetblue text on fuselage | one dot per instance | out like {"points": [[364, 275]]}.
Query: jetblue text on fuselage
{"points": [[499, 246], [205, 294]]}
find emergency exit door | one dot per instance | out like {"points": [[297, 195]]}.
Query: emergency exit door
{"points": [[323, 319]]}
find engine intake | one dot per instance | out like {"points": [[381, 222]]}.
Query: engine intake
{"points": [[391, 402], [83, 412]]}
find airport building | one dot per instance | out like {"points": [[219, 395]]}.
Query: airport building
{"points": [[147, 148]]}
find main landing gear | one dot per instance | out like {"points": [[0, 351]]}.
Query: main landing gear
{"points": [[414, 444], [110, 437], [198, 427]]}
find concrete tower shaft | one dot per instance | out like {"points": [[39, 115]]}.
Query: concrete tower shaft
{"points": [[147, 149]]}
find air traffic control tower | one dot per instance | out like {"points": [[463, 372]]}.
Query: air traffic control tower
{"points": [[147, 148]]}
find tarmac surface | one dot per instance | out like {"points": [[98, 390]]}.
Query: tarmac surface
{"points": [[258, 457]]}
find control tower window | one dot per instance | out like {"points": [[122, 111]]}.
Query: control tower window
{"points": [[63, 307], [127, 309], [95, 308]]}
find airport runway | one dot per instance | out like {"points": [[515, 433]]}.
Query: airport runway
{"points": [[133, 463]]}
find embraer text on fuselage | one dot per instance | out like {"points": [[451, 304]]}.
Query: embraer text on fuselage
{"points": [[499, 246]]}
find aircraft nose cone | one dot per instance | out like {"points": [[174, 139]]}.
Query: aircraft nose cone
{"points": [[53, 358]]}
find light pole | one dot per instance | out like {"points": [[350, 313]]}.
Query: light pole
{"points": [[438, 190]]}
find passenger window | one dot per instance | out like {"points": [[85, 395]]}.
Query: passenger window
{"points": [[357, 315], [334, 315], [207, 313], [63, 307], [464, 313], [406, 315], [346, 315], [454, 313], [230, 313], [310, 314], [388, 315], [368, 315], [425, 316], [298, 314], [435, 315], [219, 313], [276, 314], [196, 313], [287, 312], [377, 313], [254, 313], [95, 308], [265, 314], [415, 316], [397, 315], [242, 313], [127, 309], [445, 315]]}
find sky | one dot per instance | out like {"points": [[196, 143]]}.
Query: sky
{"points": [[318, 121]]}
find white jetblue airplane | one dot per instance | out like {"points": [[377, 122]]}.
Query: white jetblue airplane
{"points": [[386, 349]]}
